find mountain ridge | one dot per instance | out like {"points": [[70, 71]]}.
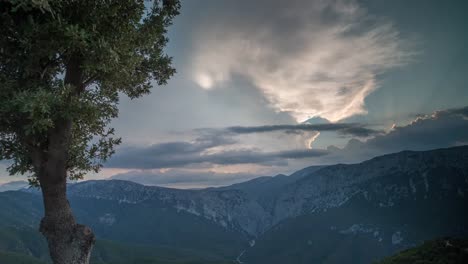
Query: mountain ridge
{"points": [[318, 189], [357, 212]]}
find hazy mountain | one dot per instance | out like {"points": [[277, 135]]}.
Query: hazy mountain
{"points": [[362, 212], [13, 186], [263, 186], [341, 213]]}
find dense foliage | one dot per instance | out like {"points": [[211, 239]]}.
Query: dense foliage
{"points": [[69, 60]]}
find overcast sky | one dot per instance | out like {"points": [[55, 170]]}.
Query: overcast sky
{"points": [[268, 87]]}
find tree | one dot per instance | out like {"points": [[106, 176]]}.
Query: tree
{"points": [[63, 66]]}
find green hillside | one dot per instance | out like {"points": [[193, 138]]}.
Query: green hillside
{"points": [[151, 224], [111, 252], [15, 258], [440, 251], [26, 246]]}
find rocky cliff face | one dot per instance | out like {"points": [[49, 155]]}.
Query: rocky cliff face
{"points": [[385, 181], [228, 208]]}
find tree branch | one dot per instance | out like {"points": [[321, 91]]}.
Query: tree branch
{"points": [[74, 74], [90, 80]]}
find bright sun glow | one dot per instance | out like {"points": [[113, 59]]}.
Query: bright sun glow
{"points": [[204, 80]]}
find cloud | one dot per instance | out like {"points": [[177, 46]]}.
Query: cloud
{"points": [[308, 58], [269, 145], [440, 129], [204, 150], [193, 163], [350, 129], [225, 146]]}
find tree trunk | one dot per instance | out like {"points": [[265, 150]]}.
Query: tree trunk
{"points": [[69, 242]]}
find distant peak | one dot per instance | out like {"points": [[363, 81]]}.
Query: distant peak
{"points": [[316, 120]]}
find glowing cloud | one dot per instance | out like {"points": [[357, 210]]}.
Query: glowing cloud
{"points": [[312, 139], [308, 59]]}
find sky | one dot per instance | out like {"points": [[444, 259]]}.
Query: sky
{"points": [[269, 87]]}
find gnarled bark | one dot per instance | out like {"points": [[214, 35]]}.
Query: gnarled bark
{"points": [[69, 242]]}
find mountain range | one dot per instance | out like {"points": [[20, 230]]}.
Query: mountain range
{"points": [[343, 213]]}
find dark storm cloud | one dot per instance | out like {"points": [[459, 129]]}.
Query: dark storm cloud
{"points": [[441, 129], [351, 129], [181, 154], [200, 151]]}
